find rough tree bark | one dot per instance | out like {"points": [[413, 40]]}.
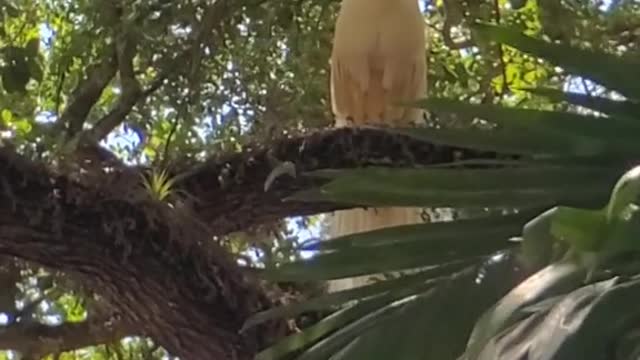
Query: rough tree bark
{"points": [[158, 267]]}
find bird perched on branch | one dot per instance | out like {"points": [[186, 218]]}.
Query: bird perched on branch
{"points": [[378, 60]]}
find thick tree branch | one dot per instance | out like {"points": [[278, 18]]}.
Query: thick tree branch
{"points": [[155, 266], [158, 266], [229, 189]]}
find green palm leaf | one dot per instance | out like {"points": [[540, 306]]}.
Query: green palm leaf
{"points": [[614, 72]]}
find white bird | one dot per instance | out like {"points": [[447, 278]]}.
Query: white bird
{"points": [[378, 60]]}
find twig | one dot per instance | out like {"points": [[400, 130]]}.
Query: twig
{"points": [[503, 65], [167, 143]]}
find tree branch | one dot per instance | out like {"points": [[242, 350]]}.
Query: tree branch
{"points": [[229, 189], [87, 93], [213, 15], [158, 269], [132, 93], [131, 90], [454, 16], [156, 265]]}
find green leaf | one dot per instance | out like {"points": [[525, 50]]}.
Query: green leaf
{"points": [[327, 301], [585, 324], [587, 134], [415, 330], [593, 65], [622, 108], [7, 117], [575, 329], [385, 308], [512, 187], [553, 280], [537, 243], [501, 140], [454, 304], [444, 232], [74, 309], [624, 193], [327, 325], [624, 233], [584, 229], [395, 338], [422, 253], [23, 126], [628, 346], [404, 247]]}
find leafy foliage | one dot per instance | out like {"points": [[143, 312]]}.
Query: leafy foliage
{"points": [[210, 77], [578, 260]]}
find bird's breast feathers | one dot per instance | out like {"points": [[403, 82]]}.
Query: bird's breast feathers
{"points": [[378, 56]]}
